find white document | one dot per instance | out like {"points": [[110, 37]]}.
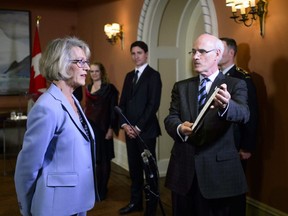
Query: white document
{"points": [[204, 109]]}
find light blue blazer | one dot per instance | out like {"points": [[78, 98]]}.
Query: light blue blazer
{"points": [[54, 173]]}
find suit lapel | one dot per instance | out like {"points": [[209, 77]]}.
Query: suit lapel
{"points": [[193, 97], [142, 78], [58, 95], [217, 82], [231, 72], [84, 119]]}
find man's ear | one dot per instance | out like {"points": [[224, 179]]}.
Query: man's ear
{"points": [[231, 52]]}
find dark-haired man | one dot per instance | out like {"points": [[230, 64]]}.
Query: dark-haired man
{"points": [[245, 134], [140, 100]]}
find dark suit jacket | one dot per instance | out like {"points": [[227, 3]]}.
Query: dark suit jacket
{"points": [[141, 104], [210, 154], [246, 134]]}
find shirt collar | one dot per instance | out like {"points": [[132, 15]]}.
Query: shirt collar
{"points": [[141, 68], [227, 69], [212, 77]]}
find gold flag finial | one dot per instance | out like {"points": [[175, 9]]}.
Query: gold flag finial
{"points": [[38, 18]]}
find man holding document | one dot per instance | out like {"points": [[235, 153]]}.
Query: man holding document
{"points": [[205, 173]]}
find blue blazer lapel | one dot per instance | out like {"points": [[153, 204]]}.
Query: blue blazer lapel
{"points": [[84, 118], [58, 95]]}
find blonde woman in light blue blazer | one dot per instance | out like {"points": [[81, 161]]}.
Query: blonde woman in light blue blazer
{"points": [[55, 170]]}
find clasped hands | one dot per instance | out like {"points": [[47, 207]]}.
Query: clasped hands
{"points": [[221, 101], [131, 131]]}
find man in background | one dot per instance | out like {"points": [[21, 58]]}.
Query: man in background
{"points": [[140, 100], [246, 134]]}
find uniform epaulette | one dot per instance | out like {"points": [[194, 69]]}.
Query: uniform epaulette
{"points": [[243, 72]]}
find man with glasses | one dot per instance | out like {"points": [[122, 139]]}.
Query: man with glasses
{"points": [[204, 172]]}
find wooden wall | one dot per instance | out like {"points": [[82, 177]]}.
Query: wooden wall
{"points": [[266, 58]]}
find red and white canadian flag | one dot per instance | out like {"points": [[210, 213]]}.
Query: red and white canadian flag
{"points": [[37, 81]]}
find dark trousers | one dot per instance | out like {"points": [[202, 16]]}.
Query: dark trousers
{"points": [[194, 204], [240, 204], [136, 168]]}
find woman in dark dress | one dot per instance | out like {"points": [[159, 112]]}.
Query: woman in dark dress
{"points": [[101, 98]]}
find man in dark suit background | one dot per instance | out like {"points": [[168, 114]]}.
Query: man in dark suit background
{"points": [[245, 134], [139, 102], [205, 173]]}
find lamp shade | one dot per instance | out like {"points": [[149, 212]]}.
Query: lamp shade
{"points": [[238, 4], [108, 30], [230, 3], [115, 28], [114, 32], [252, 3]]}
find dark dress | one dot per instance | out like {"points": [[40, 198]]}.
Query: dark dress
{"points": [[100, 112]]}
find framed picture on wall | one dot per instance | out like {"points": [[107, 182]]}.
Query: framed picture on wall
{"points": [[15, 52]]}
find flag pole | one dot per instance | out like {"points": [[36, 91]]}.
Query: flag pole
{"points": [[37, 83]]}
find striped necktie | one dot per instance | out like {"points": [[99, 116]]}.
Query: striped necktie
{"points": [[202, 93]]}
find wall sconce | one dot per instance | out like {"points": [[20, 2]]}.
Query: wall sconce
{"points": [[113, 32], [259, 9]]}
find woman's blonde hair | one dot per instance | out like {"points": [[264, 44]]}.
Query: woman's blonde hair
{"points": [[56, 59]]}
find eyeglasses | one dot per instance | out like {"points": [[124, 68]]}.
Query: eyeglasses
{"points": [[200, 51], [94, 71], [80, 63]]}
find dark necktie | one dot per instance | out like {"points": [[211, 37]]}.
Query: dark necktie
{"points": [[135, 78], [202, 93]]}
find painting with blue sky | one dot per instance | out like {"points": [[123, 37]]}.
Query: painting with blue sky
{"points": [[15, 52]]}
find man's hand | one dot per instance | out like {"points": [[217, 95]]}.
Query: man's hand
{"points": [[222, 98], [244, 155], [186, 128], [109, 134], [131, 132]]}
